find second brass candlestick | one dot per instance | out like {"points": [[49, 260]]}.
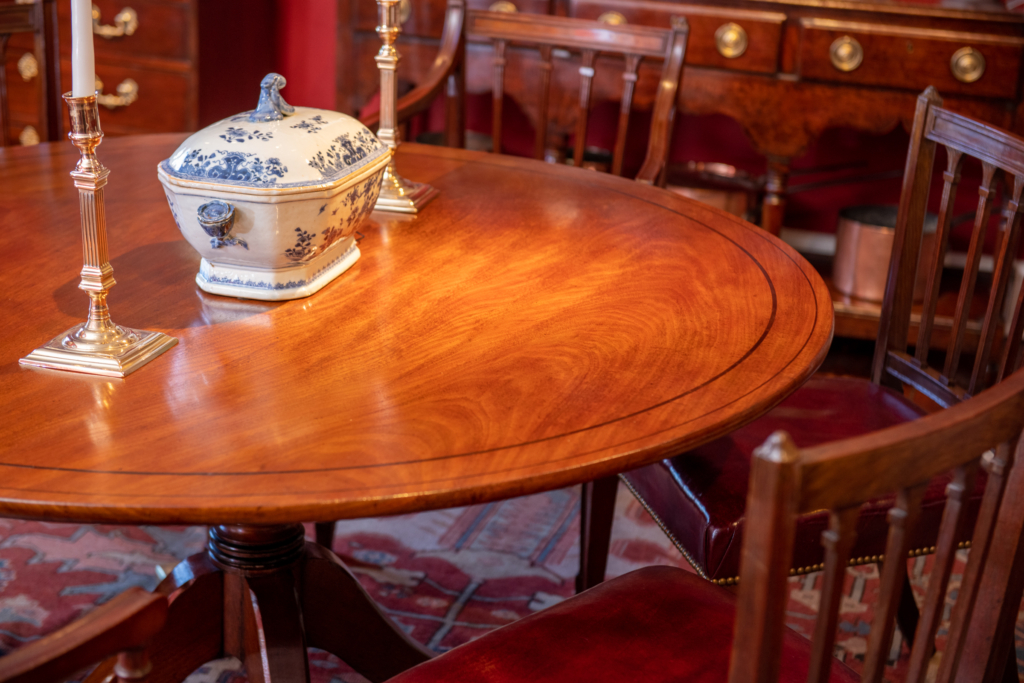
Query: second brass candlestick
{"points": [[396, 193], [97, 346]]}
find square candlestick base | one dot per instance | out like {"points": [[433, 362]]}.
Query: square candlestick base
{"points": [[399, 195], [132, 350]]}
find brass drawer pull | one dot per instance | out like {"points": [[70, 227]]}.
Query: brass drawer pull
{"points": [[404, 11], [613, 18], [731, 40], [127, 92], [28, 137], [28, 67], [846, 53], [503, 6], [126, 22], [967, 65]]}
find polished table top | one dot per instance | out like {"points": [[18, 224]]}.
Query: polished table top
{"points": [[536, 326]]}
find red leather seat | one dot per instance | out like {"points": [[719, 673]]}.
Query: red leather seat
{"points": [[699, 497], [655, 624]]}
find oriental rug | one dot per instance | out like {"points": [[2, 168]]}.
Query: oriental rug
{"points": [[445, 577]]}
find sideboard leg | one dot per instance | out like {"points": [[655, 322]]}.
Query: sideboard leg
{"points": [[342, 618], [774, 205]]}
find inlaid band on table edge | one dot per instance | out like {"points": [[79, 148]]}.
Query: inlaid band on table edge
{"points": [[488, 160]]}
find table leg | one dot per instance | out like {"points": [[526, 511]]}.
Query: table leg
{"points": [[342, 618]]}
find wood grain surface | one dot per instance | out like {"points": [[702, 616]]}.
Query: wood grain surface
{"points": [[536, 326]]}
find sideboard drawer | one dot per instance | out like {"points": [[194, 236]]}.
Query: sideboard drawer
{"points": [[163, 29], [911, 58], [741, 40], [161, 106]]}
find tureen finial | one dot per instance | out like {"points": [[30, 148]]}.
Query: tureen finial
{"points": [[272, 106]]}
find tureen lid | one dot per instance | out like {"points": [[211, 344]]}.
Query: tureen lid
{"points": [[276, 145]]}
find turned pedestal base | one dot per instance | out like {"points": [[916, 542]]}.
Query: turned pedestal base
{"points": [[263, 594]]}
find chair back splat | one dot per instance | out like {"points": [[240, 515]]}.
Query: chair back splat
{"points": [[787, 482], [589, 39], [997, 150]]}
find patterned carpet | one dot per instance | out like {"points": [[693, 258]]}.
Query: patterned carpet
{"points": [[445, 576]]}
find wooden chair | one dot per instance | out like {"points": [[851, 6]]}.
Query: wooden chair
{"points": [[697, 497], [662, 624], [589, 39], [124, 626], [39, 18]]}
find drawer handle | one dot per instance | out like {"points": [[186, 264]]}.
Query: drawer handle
{"points": [[503, 6], [127, 92], [846, 53], [126, 22], [967, 65], [731, 40], [29, 136], [404, 11], [28, 67], [613, 18]]}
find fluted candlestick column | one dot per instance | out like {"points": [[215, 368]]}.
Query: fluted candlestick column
{"points": [[396, 193], [97, 346]]}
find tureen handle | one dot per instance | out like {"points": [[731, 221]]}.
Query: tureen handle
{"points": [[272, 106]]}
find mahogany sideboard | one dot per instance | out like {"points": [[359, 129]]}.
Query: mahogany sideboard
{"points": [[165, 65], [786, 70]]}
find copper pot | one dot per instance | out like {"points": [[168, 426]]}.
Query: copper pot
{"points": [[864, 237]]}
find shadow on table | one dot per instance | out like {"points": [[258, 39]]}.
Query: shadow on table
{"points": [[156, 290]]}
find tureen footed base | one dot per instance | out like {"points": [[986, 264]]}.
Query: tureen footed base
{"points": [[278, 285]]}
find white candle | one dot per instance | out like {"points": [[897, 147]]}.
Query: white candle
{"points": [[83, 64]]}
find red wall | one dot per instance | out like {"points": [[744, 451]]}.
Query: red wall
{"points": [[306, 31]]}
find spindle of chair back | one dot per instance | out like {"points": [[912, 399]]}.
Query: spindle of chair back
{"points": [[998, 151], [589, 38], [840, 477]]}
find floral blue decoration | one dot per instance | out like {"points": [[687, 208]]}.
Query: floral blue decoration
{"points": [[303, 248], [346, 151], [242, 168], [233, 134], [312, 124]]}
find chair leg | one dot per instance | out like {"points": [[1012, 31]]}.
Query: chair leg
{"points": [[325, 534], [907, 614], [597, 511], [1010, 673]]}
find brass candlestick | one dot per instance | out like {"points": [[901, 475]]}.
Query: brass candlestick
{"points": [[97, 346], [396, 193]]}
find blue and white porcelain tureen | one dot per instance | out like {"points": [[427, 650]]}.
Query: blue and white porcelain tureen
{"points": [[271, 198]]}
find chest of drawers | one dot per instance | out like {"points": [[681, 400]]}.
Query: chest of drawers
{"points": [[162, 65]]}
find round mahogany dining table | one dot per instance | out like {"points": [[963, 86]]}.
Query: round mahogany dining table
{"points": [[535, 326]]}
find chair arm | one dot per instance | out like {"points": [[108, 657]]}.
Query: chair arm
{"points": [[449, 57], [128, 622]]}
